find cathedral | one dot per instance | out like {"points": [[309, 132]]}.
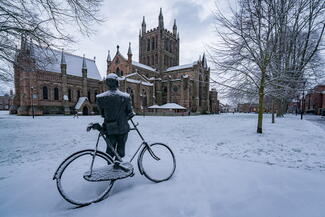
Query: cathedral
{"points": [[57, 82], [54, 82], [157, 83]]}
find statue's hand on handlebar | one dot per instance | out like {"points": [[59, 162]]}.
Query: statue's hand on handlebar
{"points": [[95, 126], [131, 115]]}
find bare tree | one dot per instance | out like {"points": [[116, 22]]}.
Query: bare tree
{"points": [[267, 46], [45, 22], [299, 31], [247, 48]]}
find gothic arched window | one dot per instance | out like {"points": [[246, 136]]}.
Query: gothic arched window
{"points": [[69, 95], [89, 96], [118, 72], [130, 91], [56, 93], [45, 93], [144, 98], [95, 95], [148, 45], [152, 43]]}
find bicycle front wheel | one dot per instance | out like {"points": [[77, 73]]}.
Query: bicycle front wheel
{"points": [[71, 183], [159, 165]]}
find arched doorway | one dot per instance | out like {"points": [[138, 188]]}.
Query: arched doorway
{"points": [[85, 110]]}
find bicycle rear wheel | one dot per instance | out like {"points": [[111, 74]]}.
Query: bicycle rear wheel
{"points": [[71, 183], [157, 170]]}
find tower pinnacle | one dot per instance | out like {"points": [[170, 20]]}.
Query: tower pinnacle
{"points": [[108, 57], [143, 26], [175, 27], [161, 19], [84, 65], [129, 50], [63, 62]]}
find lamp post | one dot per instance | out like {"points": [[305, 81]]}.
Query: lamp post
{"points": [[303, 102], [32, 95]]}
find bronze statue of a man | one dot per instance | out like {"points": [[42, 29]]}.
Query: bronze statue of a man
{"points": [[115, 107]]}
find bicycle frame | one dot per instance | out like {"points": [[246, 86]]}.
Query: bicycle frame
{"points": [[144, 144]]}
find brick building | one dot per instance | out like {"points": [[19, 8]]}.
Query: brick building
{"points": [[158, 79], [315, 100], [53, 82], [56, 82], [4, 102]]}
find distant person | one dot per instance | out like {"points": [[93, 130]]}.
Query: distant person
{"points": [[115, 107], [75, 113]]}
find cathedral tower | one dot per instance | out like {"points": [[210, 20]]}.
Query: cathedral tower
{"points": [[159, 47]]}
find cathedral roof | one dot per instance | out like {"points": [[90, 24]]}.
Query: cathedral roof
{"points": [[50, 59], [140, 65], [174, 68]]}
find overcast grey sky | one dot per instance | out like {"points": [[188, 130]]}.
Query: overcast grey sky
{"points": [[194, 20]]}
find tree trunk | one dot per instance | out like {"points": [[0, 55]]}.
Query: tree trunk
{"points": [[261, 103], [280, 112], [273, 116]]}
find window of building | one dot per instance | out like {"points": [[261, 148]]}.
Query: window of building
{"points": [[118, 71], [78, 94], [69, 95], [96, 95], [89, 96], [148, 60], [45, 93], [152, 43], [130, 91], [56, 93], [148, 45], [152, 60], [156, 59], [144, 98]]}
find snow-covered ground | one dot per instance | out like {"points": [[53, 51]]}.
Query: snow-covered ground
{"points": [[223, 167]]}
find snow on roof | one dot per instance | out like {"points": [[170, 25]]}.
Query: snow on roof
{"points": [[135, 81], [154, 107], [81, 101], [167, 106], [136, 73], [143, 66], [172, 106], [173, 68], [138, 82], [129, 75], [50, 60]]}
